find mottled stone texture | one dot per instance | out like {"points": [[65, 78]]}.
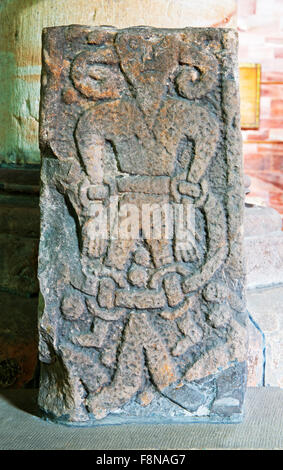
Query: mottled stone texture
{"points": [[136, 329]]}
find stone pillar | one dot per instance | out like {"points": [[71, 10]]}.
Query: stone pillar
{"points": [[22, 22], [142, 313]]}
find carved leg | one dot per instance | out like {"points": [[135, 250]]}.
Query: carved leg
{"points": [[139, 335], [128, 378]]}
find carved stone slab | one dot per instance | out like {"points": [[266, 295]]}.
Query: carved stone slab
{"points": [[140, 127]]}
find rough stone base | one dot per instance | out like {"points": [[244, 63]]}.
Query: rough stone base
{"points": [[21, 429], [218, 398]]}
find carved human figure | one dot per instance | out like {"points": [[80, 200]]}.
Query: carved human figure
{"points": [[141, 315], [156, 142]]}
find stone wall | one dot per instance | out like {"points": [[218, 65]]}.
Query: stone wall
{"points": [[19, 232], [260, 28], [264, 261]]}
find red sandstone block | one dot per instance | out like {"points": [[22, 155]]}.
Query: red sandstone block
{"points": [[250, 156], [277, 163], [274, 178], [262, 134], [276, 108], [268, 188], [252, 164], [257, 163], [274, 148], [274, 123], [269, 75], [272, 91], [276, 160], [274, 153]]}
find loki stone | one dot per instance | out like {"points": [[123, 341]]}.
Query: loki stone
{"points": [[142, 313]]}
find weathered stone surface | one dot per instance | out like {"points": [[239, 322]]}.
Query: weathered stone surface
{"points": [[134, 324]]}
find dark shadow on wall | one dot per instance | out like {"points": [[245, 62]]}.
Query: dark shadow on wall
{"points": [[19, 220], [19, 238], [24, 400]]}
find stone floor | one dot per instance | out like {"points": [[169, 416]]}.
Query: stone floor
{"points": [[262, 428]]}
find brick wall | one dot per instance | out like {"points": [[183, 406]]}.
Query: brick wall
{"points": [[260, 26]]}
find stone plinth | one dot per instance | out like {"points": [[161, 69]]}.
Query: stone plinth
{"points": [[142, 313]]}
